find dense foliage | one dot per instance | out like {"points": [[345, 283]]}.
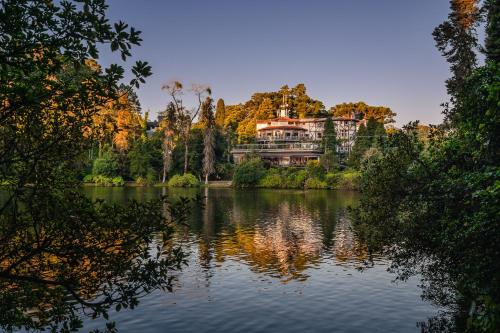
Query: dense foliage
{"points": [[63, 256], [433, 205], [363, 111], [253, 173]]}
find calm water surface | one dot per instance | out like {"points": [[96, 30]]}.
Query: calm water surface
{"points": [[272, 261]]}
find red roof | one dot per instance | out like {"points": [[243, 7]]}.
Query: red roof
{"points": [[276, 119], [283, 128], [344, 118]]}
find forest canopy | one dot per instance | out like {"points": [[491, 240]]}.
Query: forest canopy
{"points": [[379, 113]]}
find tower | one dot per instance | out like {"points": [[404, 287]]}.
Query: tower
{"points": [[284, 111]]}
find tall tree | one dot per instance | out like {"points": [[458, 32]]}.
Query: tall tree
{"points": [[207, 116], [329, 136], [220, 113], [456, 40], [266, 110], [361, 145], [168, 124], [185, 116], [492, 44]]}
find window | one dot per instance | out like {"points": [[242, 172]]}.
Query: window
{"points": [[319, 135]]}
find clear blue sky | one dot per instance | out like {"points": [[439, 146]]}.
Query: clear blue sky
{"points": [[377, 51]]}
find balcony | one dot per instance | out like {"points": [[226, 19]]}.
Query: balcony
{"points": [[312, 147]]}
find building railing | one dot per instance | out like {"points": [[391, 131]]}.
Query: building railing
{"points": [[268, 147]]}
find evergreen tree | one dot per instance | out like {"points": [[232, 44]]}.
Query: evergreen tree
{"points": [[329, 136], [492, 44], [208, 138], [456, 40], [361, 144], [220, 113]]}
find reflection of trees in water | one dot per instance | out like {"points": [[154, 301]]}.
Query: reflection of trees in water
{"points": [[346, 246], [280, 233], [279, 237]]}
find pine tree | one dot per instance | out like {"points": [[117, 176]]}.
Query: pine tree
{"points": [[207, 116], [457, 41], [492, 44], [361, 144], [329, 136], [220, 113]]}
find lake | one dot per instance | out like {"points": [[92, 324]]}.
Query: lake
{"points": [[272, 261]]}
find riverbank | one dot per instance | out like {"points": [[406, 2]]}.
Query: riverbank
{"points": [[270, 179]]}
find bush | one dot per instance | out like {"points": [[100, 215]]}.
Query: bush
{"points": [[315, 170], [88, 179], [295, 179], [249, 173], [108, 181], [272, 179], [118, 181], [186, 180], [332, 179], [348, 180], [224, 171], [315, 183], [107, 165]]}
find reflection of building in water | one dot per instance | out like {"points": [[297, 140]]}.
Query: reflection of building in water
{"points": [[345, 245], [285, 245]]}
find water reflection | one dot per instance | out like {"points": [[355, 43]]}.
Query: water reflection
{"points": [[279, 234], [262, 260]]}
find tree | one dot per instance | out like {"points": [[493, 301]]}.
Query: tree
{"points": [[185, 117], [362, 110], [168, 124], [492, 44], [220, 113], [432, 205], [361, 144], [329, 136], [62, 255], [207, 117], [266, 110], [456, 40]]}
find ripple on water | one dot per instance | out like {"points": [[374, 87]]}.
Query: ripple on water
{"points": [[271, 261]]}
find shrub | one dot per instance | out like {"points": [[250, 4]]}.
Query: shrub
{"points": [[224, 170], [272, 179], [102, 180], [108, 181], [118, 181], [332, 179], [348, 180], [107, 165], [248, 173], [315, 183], [88, 179], [314, 169], [295, 179], [186, 180]]}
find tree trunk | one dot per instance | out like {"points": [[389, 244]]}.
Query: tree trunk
{"points": [[186, 151], [228, 146], [206, 179]]}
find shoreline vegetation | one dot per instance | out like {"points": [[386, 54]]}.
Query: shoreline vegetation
{"points": [[273, 178]]}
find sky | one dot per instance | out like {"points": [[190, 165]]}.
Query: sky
{"points": [[377, 51]]}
